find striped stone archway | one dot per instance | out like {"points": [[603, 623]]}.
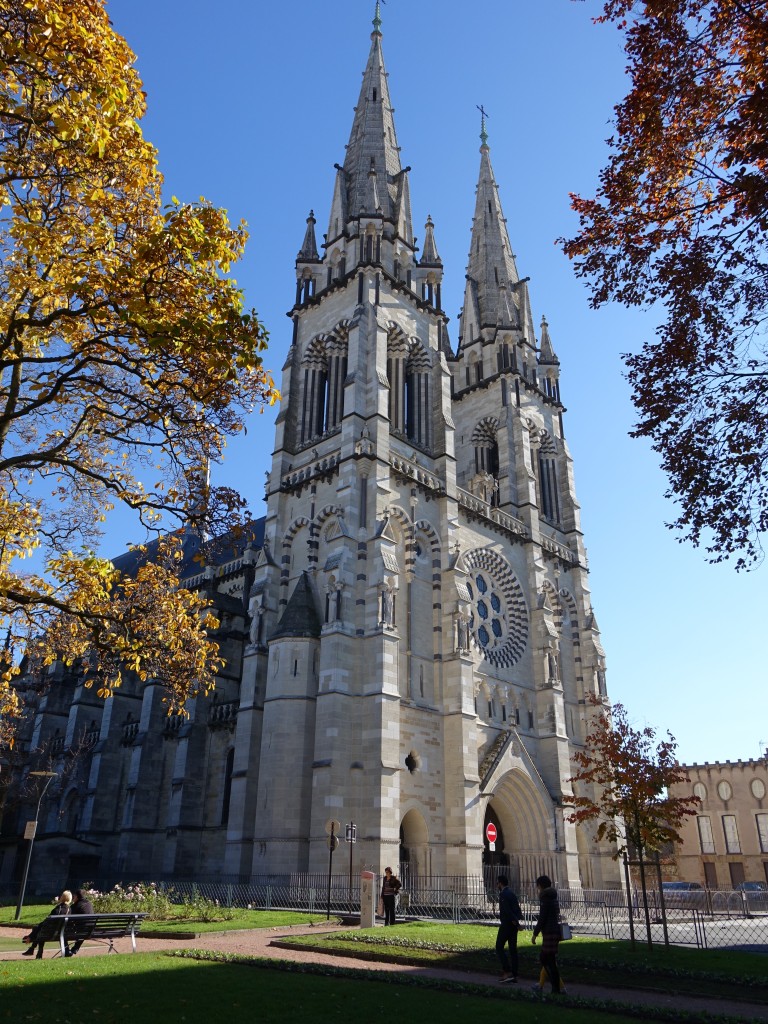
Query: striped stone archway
{"points": [[526, 816]]}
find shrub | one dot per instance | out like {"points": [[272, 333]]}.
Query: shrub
{"points": [[160, 904], [147, 898]]}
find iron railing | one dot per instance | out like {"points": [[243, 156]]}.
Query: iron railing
{"points": [[724, 919]]}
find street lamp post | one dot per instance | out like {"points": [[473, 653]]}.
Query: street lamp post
{"points": [[30, 832]]}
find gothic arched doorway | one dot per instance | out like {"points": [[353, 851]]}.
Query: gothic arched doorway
{"points": [[526, 843], [414, 847], [496, 859]]}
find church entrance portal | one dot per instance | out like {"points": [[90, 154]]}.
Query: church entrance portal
{"points": [[415, 859]]}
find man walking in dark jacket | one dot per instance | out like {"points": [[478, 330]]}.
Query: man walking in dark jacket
{"points": [[510, 916], [80, 905]]}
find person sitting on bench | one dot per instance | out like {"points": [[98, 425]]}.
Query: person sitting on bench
{"points": [[80, 905], [62, 908]]}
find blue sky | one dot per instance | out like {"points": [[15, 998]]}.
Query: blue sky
{"points": [[250, 105]]}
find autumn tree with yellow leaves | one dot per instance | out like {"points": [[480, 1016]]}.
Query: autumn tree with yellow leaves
{"points": [[126, 356]]}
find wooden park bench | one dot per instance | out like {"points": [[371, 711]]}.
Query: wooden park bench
{"points": [[84, 927]]}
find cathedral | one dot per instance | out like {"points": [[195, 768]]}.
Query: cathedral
{"points": [[409, 631]]}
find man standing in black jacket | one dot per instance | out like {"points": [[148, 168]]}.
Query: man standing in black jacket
{"points": [[510, 916], [80, 905]]}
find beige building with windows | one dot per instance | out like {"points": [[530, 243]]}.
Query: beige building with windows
{"points": [[726, 843]]}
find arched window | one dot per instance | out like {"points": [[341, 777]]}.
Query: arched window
{"points": [[486, 452], [337, 266], [315, 381], [418, 422], [325, 369], [503, 356], [410, 401], [475, 369], [305, 287], [397, 358], [550, 497], [414, 842]]}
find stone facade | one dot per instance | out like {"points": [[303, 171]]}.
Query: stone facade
{"points": [[726, 843], [409, 631]]}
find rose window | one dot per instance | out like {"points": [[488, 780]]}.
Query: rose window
{"points": [[499, 617]]}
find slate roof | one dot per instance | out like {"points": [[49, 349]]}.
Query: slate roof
{"points": [[218, 551]]}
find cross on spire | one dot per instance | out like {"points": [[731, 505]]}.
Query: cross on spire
{"points": [[377, 16], [483, 132]]}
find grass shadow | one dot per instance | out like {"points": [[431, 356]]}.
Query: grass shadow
{"points": [[146, 986]]}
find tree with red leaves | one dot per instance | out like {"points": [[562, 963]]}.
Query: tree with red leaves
{"points": [[680, 221], [623, 783]]}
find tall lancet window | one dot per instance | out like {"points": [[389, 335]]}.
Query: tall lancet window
{"points": [[397, 360], [325, 368], [550, 495], [336, 350], [315, 383], [418, 419], [408, 373], [484, 472]]}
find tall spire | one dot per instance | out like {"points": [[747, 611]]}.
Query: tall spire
{"points": [[547, 352], [430, 257], [372, 142], [308, 250], [492, 277]]}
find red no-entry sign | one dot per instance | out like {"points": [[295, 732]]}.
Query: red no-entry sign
{"points": [[490, 832]]}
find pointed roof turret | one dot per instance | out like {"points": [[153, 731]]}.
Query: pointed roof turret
{"points": [[373, 143], [547, 352], [300, 618], [526, 316], [429, 255], [492, 276], [308, 250]]}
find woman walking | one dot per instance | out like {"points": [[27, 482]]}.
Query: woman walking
{"points": [[548, 926]]}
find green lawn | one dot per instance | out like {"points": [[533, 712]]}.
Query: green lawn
{"points": [[147, 986], [29, 915], [242, 919], [718, 973]]}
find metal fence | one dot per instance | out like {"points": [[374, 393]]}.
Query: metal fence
{"points": [[711, 919]]}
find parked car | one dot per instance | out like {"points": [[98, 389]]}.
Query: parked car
{"points": [[684, 896], [755, 895]]}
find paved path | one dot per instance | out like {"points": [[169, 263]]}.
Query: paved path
{"points": [[260, 943]]}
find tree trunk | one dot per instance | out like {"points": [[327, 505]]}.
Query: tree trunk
{"points": [[641, 864]]}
